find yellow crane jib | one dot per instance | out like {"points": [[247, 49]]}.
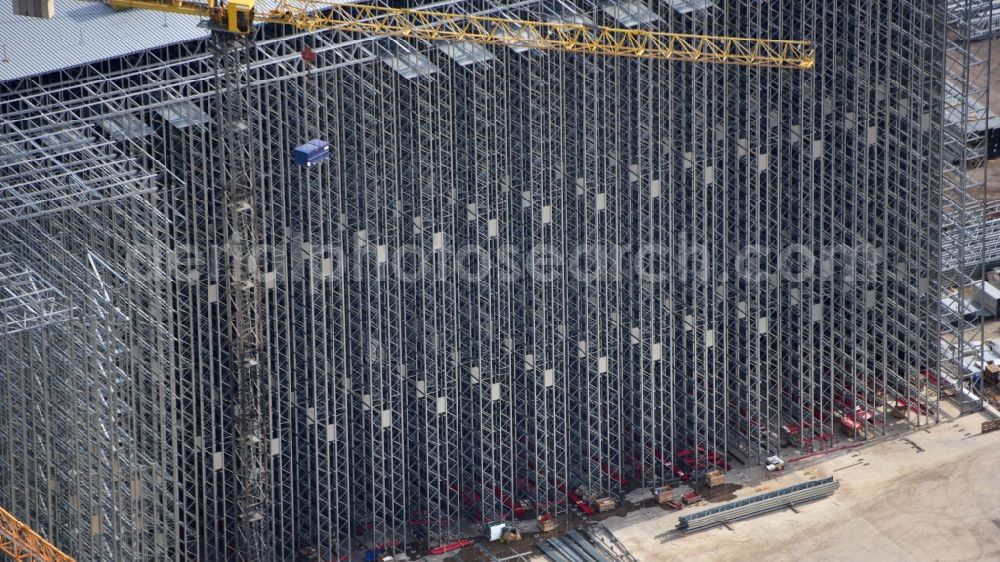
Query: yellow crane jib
{"points": [[238, 16], [20, 542], [234, 16]]}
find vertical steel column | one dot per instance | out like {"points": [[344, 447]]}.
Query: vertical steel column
{"points": [[250, 439]]}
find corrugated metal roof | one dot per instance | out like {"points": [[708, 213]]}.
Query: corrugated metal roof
{"points": [[82, 32]]}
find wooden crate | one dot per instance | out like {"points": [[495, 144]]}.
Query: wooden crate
{"points": [[991, 374], [715, 478], [604, 504], [511, 535]]}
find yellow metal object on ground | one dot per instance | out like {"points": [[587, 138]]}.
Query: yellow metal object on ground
{"points": [[21, 543]]}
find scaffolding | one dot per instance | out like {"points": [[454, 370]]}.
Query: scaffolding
{"points": [[26, 301], [965, 215], [523, 281]]}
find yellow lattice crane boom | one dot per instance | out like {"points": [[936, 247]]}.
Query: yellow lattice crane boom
{"points": [[238, 16], [21, 543]]}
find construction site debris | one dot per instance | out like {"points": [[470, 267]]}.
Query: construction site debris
{"points": [[775, 463], [663, 494], [545, 523], [899, 409], [691, 498], [510, 534], [495, 530], [448, 547]]}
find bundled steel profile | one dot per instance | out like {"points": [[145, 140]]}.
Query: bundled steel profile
{"points": [[759, 504], [585, 545]]}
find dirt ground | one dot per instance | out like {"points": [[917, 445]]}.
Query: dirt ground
{"points": [[991, 331], [932, 495], [981, 50], [979, 75], [991, 190]]}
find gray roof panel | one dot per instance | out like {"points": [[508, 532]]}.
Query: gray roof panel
{"points": [[83, 32]]}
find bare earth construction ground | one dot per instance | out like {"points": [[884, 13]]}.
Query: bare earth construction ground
{"points": [[894, 503]]}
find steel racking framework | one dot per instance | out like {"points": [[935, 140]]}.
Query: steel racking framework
{"points": [[521, 276]]}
